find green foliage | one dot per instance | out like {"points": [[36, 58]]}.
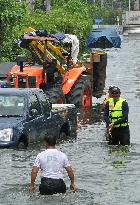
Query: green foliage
{"points": [[58, 2], [12, 18], [74, 17], [39, 4], [66, 16]]}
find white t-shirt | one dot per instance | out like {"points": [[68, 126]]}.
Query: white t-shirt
{"points": [[52, 163]]}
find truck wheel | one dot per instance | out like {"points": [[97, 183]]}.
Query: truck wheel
{"points": [[80, 94], [63, 135], [55, 96], [22, 144]]}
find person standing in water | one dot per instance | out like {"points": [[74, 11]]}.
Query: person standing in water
{"points": [[52, 163], [116, 118]]}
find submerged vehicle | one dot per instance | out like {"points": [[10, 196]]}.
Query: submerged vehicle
{"points": [[26, 115], [54, 67], [106, 37]]}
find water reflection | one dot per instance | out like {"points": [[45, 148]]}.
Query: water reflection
{"points": [[89, 116], [118, 155], [119, 150]]}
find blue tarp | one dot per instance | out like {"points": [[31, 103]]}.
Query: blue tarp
{"points": [[104, 38]]}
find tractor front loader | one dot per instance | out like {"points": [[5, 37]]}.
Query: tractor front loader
{"points": [[53, 69]]}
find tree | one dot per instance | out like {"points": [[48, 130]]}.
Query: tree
{"points": [[66, 16], [12, 17]]}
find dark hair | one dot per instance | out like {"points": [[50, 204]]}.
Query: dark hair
{"points": [[51, 140], [110, 88], [115, 90]]}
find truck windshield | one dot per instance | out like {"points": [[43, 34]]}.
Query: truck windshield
{"points": [[11, 105]]}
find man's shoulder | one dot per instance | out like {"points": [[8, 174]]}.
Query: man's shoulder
{"points": [[125, 103], [56, 151], [122, 99], [61, 153], [52, 151], [41, 153]]}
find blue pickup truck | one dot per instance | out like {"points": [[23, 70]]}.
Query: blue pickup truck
{"points": [[26, 115]]}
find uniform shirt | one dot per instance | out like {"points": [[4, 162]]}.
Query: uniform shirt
{"points": [[125, 110], [52, 163]]}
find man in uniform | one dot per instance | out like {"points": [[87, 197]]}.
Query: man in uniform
{"points": [[52, 163], [116, 118]]}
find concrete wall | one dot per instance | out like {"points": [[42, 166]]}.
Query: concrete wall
{"points": [[131, 18], [131, 22]]}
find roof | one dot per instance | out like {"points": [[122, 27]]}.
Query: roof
{"points": [[18, 91], [27, 70]]}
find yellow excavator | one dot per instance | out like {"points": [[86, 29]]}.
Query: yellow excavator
{"points": [[53, 69]]}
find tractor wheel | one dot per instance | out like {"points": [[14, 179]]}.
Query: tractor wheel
{"points": [[80, 94], [55, 96]]}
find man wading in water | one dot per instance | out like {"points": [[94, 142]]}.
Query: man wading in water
{"points": [[52, 163], [116, 118]]}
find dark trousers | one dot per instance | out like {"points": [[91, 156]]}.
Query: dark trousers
{"points": [[120, 135], [52, 186]]}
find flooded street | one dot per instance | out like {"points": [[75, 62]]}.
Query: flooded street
{"points": [[104, 175]]}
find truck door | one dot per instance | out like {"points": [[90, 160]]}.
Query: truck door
{"points": [[35, 125], [51, 125]]}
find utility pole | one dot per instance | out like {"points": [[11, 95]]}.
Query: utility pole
{"points": [[129, 6], [47, 5], [102, 3]]}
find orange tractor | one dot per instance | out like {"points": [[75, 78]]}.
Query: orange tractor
{"points": [[53, 69]]}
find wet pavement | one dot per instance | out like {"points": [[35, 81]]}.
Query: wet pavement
{"points": [[105, 175]]}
